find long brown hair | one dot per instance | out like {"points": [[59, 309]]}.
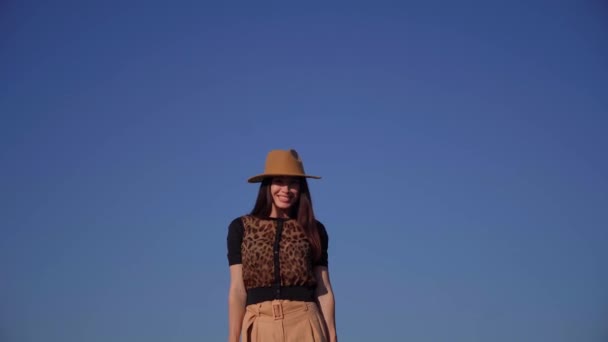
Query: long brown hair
{"points": [[302, 211]]}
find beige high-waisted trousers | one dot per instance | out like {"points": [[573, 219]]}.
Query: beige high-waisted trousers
{"points": [[283, 321]]}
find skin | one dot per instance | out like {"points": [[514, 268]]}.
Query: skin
{"points": [[237, 297], [284, 192], [325, 299]]}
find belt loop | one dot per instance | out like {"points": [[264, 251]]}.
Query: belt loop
{"points": [[277, 310]]}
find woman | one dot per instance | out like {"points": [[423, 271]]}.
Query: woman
{"points": [[279, 279]]}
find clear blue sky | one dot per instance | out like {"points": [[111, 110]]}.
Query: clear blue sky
{"points": [[462, 148]]}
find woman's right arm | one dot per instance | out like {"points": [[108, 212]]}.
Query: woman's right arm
{"points": [[237, 297]]}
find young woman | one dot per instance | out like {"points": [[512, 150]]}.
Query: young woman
{"points": [[279, 279]]}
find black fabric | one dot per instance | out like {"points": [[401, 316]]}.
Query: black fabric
{"points": [[235, 237], [262, 294], [323, 261]]}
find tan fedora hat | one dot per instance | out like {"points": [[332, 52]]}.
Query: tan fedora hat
{"points": [[282, 163]]}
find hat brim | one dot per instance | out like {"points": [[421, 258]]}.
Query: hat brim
{"points": [[259, 178]]}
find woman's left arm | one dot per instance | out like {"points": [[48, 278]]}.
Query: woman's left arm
{"points": [[325, 298]]}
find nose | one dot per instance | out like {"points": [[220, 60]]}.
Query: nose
{"points": [[286, 188]]}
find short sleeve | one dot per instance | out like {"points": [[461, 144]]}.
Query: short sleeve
{"points": [[324, 260], [234, 239]]}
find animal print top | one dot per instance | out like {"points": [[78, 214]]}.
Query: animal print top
{"points": [[275, 253]]}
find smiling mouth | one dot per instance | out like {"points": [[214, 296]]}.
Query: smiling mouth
{"points": [[284, 199]]}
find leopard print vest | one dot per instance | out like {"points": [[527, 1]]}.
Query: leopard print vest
{"points": [[275, 252]]}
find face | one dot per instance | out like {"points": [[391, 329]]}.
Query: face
{"points": [[285, 192]]}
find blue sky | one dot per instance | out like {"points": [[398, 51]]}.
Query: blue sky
{"points": [[462, 148]]}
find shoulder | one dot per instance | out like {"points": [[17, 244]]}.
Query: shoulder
{"points": [[237, 220], [321, 228], [243, 221], [236, 224], [320, 224]]}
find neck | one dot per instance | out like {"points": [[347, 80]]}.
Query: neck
{"points": [[279, 213]]}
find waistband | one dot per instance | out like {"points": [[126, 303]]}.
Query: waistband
{"points": [[278, 309], [293, 293]]}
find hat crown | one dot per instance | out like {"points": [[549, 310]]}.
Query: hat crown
{"points": [[281, 161]]}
